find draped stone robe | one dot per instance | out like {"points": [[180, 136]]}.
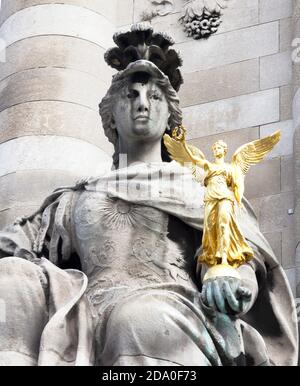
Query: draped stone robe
{"points": [[134, 297]]}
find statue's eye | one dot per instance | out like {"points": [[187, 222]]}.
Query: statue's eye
{"points": [[156, 97], [132, 94]]}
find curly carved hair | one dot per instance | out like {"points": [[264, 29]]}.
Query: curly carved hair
{"points": [[105, 110]]}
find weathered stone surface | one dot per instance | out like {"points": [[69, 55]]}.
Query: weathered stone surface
{"points": [[286, 102], [297, 287], [104, 7], [171, 24], [230, 47], [52, 152], [146, 6], [275, 241], [8, 216], [238, 15], [287, 174], [58, 19], [234, 140], [53, 118], [263, 179], [52, 84], [109, 9], [285, 146], [272, 212], [276, 70], [291, 275], [255, 204], [230, 114], [286, 33], [220, 83], [46, 51], [296, 106], [124, 12], [288, 248], [275, 9], [296, 61], [297, 175], [31, 187]]}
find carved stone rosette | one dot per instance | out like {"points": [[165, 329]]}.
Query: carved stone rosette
{"points": [[202, 18]]}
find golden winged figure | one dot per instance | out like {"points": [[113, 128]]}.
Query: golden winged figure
{"points": [[223, 242]]}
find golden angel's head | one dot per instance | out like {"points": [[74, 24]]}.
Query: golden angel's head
{"points": [[219, 149]]}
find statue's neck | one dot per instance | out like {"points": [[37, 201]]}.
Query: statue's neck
{"points": [[219, 161], [139, 152]]}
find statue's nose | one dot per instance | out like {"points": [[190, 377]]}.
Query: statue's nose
{"points": [[143, 106]]}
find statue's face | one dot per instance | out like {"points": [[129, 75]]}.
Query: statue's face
{"points": [[218, 150], [141, 112]]}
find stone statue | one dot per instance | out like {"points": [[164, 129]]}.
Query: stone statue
{"points": [[105, 272]]}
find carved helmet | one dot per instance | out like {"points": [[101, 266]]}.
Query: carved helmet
{"points": [[142, 50]]}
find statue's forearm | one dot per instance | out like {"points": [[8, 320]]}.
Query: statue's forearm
{"points": [[196, 160]]}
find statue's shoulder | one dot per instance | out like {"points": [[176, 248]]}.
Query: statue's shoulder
{"points": [[79, 186], [83, 182], [62, 195]]}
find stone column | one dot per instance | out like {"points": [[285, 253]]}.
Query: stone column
{"points": [[51, 83], [296, 118]]}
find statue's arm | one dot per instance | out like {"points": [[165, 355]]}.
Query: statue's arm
{"points": [[18, 239], [43, 234], [199, 161]]}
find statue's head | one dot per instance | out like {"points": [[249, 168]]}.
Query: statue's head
{"points": [[220, 149], [141, 103]]}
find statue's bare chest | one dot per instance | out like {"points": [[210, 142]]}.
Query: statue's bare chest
{"points": [[123, 245], [110, 233]]}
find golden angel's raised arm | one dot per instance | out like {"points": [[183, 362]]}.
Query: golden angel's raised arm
{"points": [[184, 154], [250, 154]]}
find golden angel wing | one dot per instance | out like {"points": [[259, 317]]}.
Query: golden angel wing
{"points": [[179, 151], [253, 152], [250, 154]]}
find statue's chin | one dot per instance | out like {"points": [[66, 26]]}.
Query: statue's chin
{"points": [[143, 131]]}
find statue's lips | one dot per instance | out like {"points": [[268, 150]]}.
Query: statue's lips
{"points": [[142, 118]]}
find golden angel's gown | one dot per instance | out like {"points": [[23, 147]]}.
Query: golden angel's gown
{"points": [[219, 208]]}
